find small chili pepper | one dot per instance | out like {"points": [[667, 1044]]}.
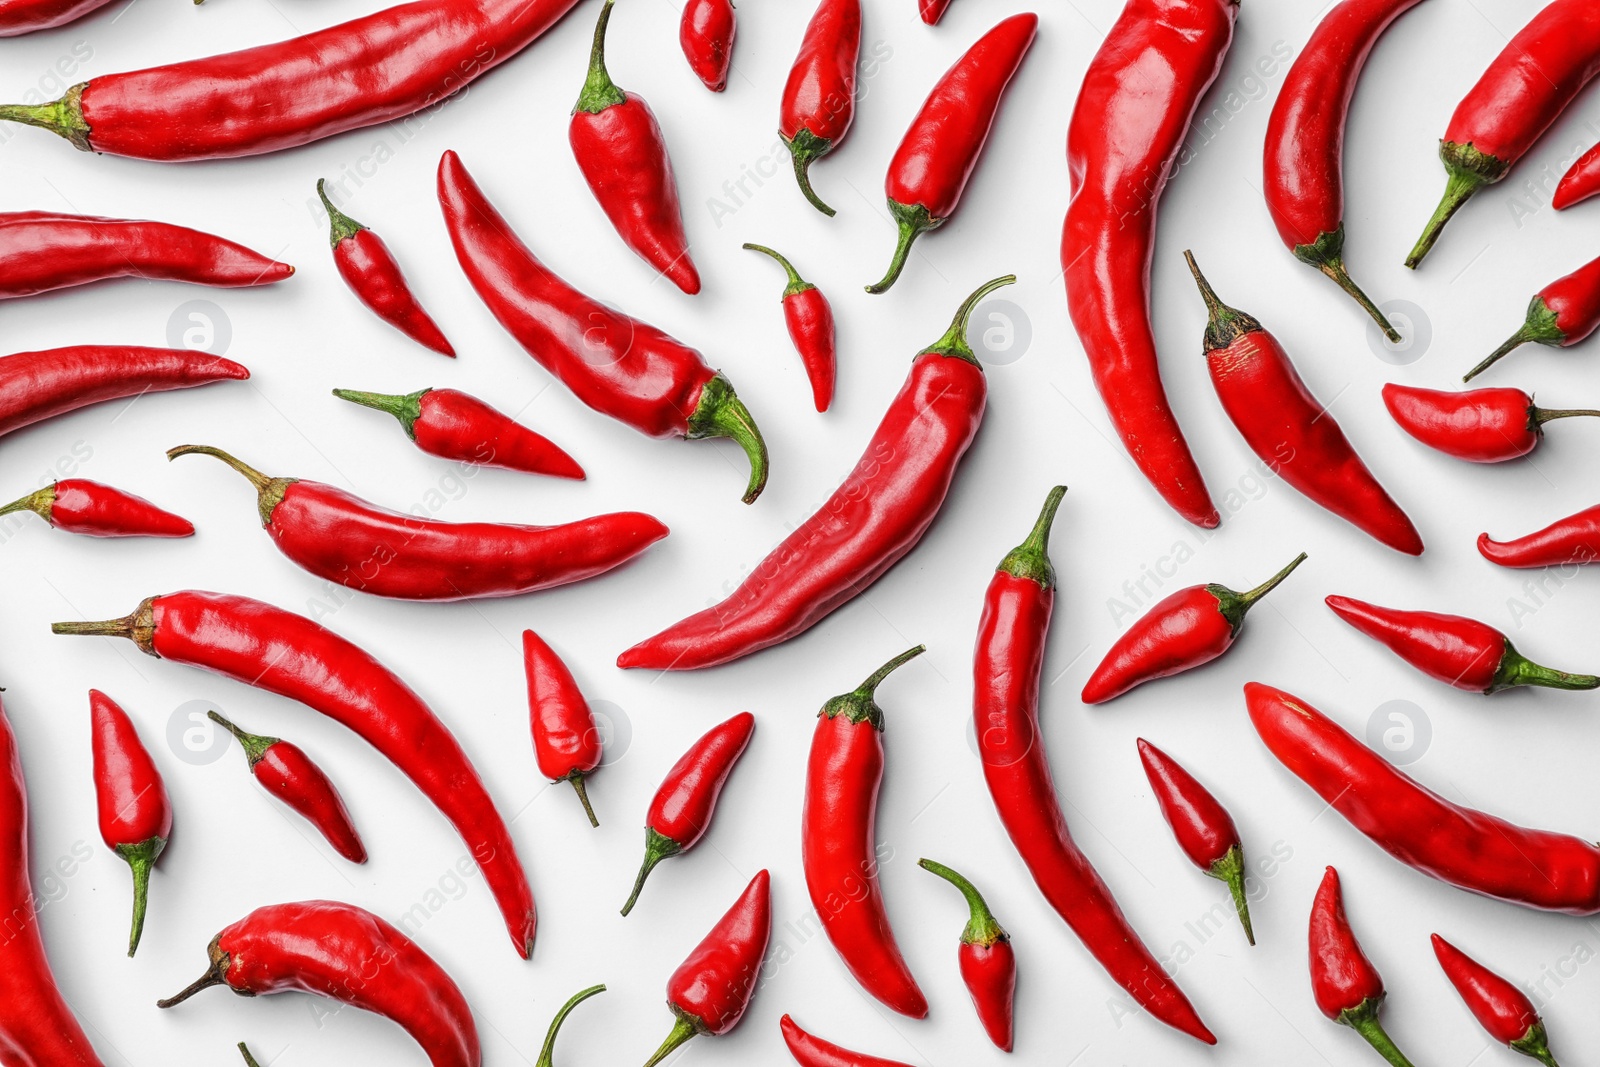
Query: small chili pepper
{"points": [[809, 317], [547, 1053], [932, 10], [566, 741], [80, 506], [809, 1050], [710, 990], [1562, 314], [1503, 1009], [454, 425], [988, 963], [819, 99], [1289, 429], [1572, 540], [350, 956], [941, 148], [1477, 425], [1580, 182], [1190, 628], [1344, 982], [135, 812], [680, 812], [285, 771], [706, 34]]}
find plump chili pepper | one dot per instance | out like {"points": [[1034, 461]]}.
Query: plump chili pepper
{"points": [[350, 956], [566, 741], [1344, 982], [285, 771], [819, 99], [941, 148], [1477, 425], [80, 506], [809, 1050], [339, 536], [988, 963], [278, 651], [1580, 182], [1574, 539], [932, 10], [455, 425], [1005, 711], [548, 1052], [1503, 1009], [18, 17], [1561, 314], [1139, 96], [135, 812], [680, 812], [1289, 429], [706, 34], [617, 365], [809, 318], [373, 69], [878, 515], [711, 989], [1190, 628]]}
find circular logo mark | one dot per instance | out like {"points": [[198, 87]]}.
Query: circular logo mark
{"points": [[200, 325], [615, 729], [607, 338], [999, 747], [194, 738], [1000, 332], [1400, 730], [1416, 334]]}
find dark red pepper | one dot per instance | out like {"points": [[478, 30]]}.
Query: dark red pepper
{"points": [[1562, 314], [809, 318], [454, 425], [1477, 425], [566, 741], [80, 506], [932, 10], [809, 1050], [819, 99], [548, 1052], [1572, 540], [1344, 982], [1503, 1009], [988, 962], [706, 33], [135, 812], [1579, 183]]}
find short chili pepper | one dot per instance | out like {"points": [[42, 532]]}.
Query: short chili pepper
{"points": [[1344, 982], [819, 99], [1503, 1009], [1289, 429], [809, 1050], [680, 812], [454, 425], [1562, 314], [566, 741], [1572, 540], [1477, 425], [809, 318], [623, 156], [1186, 630], [988, 962], [1580, 182], [80, 506], [711, 989], [941, 148], [548, 1051], [932, 10], [135, 812], [350, 956], [705, 33], [285, 771]]}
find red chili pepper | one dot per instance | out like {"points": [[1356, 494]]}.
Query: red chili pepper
{"points": [[1284, 424], [1005, 710], [1477, 425], [1346, 985], [339, 536], [547, 1053], [941, 148], [1562, 314], [819, 99], [1579, 183], [809, 317], [1572, 540], [1503, 1009], [454, 425], [566, 741], [932, 10], [706, 35], [680, 812], [809, 1050], [1190, 628], [25, 16], [878, 515], [135, 812], [40, 385], [1132, 115], [285, 771], [280, 652], [710, 990], [348, 955], [80, 506], [617, 365], [988, 963]]}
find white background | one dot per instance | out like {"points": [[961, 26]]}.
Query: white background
{"points": [[1525, 755]]}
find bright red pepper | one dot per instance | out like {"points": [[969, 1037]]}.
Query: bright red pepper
{"points": [[1190, 628], [809, 1050], [988, 962], [819, 99], [706, 33], [1503, 1009], [547, 1053], [1344, 982], [809, 318], [455, 425], [932, 10], [40, 385], [1572, 540], [1477, 425], [680, 812], [566, 741], [80, 506], [1580, 182], [1561, 314], [940, 150], [135, 812]]}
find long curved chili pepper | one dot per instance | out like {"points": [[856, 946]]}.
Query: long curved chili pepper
{"points": [[615, 364], [809, 1050], [80, 506], [1005, 711], [1347, 987], [548, 1052], [623, 156], [455, 425], [1502, 1009], [680, 812], [1469, 849], [1574, 539], [40, 385], [1560, 315], [1477, 425], [1304, 162], [932, 10], [339, 536], [1186, 630], [280, 652], [941, 148], [1289, 429], [566, 741], [809, 317], [135, 812], [705, 33], [1580, 182], [711, 989], [1535, 77], [988, 962], [873, 519], [286, 772], [348, 955], [373, 69], [18, 17], [819, 99], [1127, 127]]}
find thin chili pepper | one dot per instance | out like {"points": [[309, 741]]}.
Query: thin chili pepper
{"points": [[455, 425], [932, 10], [80, 506], [1536, 76], [706, 34], [40, 385], [623, 156], [1005, 710], [350, 956], [617, 365], [809, 1050], [566, 741], [873, 519], [18, 17], [1344, 982], [1140, 95], [819, 99], [1477, 425], [940, 150], [1186, 630], [280, 652], [710, 990], [547, 1053], [1289, 429], [1572, 540], [988, 963], [1561, 314], [286, 772], [373, 69], [809, 318], [1579, 183], [1503, 1009], [135, 812], [339, 536], [680, 812]]}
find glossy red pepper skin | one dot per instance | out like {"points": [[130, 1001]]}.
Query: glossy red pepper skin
{"points": [[454, 425], [809, 318], [1572, 540], [1006, 667], [18, 17], [941, 148], [1560, 315], [1139, 96], [566, 740], [932, 10], [135, 812], [80, 506], [40, 385], [1580, 182], [1344, 982], [987, 960], [1502, 1009], [1477, 425], [819, 99], [280, 652], [809, 1050], [705, 33]]}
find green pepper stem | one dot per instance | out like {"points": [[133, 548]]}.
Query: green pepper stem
{"points": [[796, 284], [599, 91], [340, 225], [141, 858], [869, 687], [255, 746], [547, 1053], [720, 413], [576, 778], [657, 847], [806, 148], [269, 491], [954, 342], [1363, 1019], [39, 502], [682, 1030], [407, 407], [982, 927], [1536, 1044], [1249, 599], [1230, 870], [1516, 669], [216, 974], [1462, 186], [1335, 269], [63, 117], [912, 220], [1031, 559], [244, 1050]]}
